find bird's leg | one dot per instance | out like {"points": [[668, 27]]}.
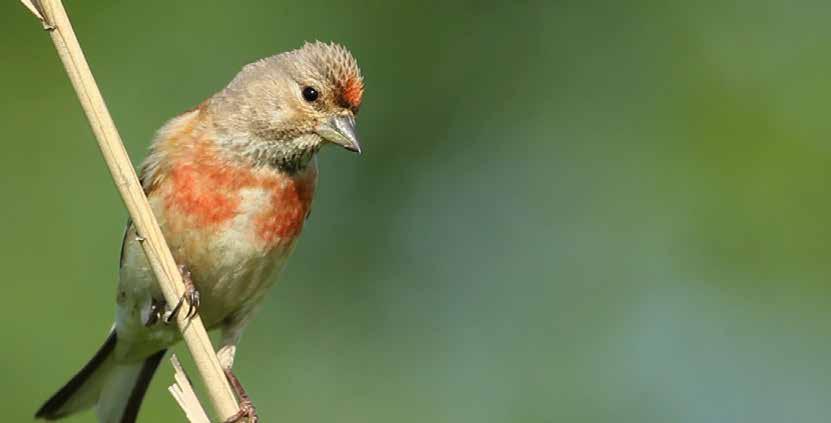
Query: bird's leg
{"points": [[231, 332], [191, 295], [247, 412]]}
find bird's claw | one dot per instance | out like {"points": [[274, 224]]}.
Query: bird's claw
{"points": [[191, 295], [156, 313], [247, 413]]}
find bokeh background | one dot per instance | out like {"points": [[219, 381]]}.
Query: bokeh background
{"points": [[592, 211]]}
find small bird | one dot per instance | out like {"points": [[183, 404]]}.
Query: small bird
{"points": [[231, 184]]}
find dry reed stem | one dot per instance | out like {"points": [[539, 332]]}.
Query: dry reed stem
{"points": [[54, 19], [183, 393]]}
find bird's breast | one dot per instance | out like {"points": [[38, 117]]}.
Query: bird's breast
{"points": [[233, 226], [263, 208]]}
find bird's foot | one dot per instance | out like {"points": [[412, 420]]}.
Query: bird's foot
{"points": [[191, 295], [247, 412]]}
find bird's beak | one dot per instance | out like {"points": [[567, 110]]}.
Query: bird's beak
{"points": [[340, 130]]}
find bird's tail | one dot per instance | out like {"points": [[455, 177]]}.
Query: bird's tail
{"points": [[116, 389]]}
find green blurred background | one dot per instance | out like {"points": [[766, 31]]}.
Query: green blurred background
{"points": [[566, 211]]}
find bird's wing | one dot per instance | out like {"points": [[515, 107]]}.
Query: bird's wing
{"points": [[149, 182]]}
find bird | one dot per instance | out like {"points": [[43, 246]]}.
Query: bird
{"points": [[231, 183]]}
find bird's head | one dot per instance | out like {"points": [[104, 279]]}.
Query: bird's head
{"points": [[289, 105]]}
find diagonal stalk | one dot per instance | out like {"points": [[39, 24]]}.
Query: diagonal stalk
{"points": [[54, 19]]}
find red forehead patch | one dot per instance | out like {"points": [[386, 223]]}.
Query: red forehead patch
{"points": [[353, 90]]}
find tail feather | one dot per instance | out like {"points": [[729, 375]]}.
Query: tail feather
{"points": [[76, 395], [121, 399], [116, 389]]}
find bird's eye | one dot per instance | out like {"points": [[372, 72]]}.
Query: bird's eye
{"points": [[310, 94]]}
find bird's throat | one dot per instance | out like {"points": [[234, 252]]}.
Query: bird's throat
{"points": [[290, 156]]}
